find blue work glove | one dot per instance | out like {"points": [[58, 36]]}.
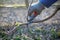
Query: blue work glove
{"points": [[34, 10]]}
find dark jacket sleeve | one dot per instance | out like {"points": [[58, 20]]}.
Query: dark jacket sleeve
{"points": [[47, 3]]}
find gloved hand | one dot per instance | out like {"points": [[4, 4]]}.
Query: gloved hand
{"points": [[34, 10]]}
